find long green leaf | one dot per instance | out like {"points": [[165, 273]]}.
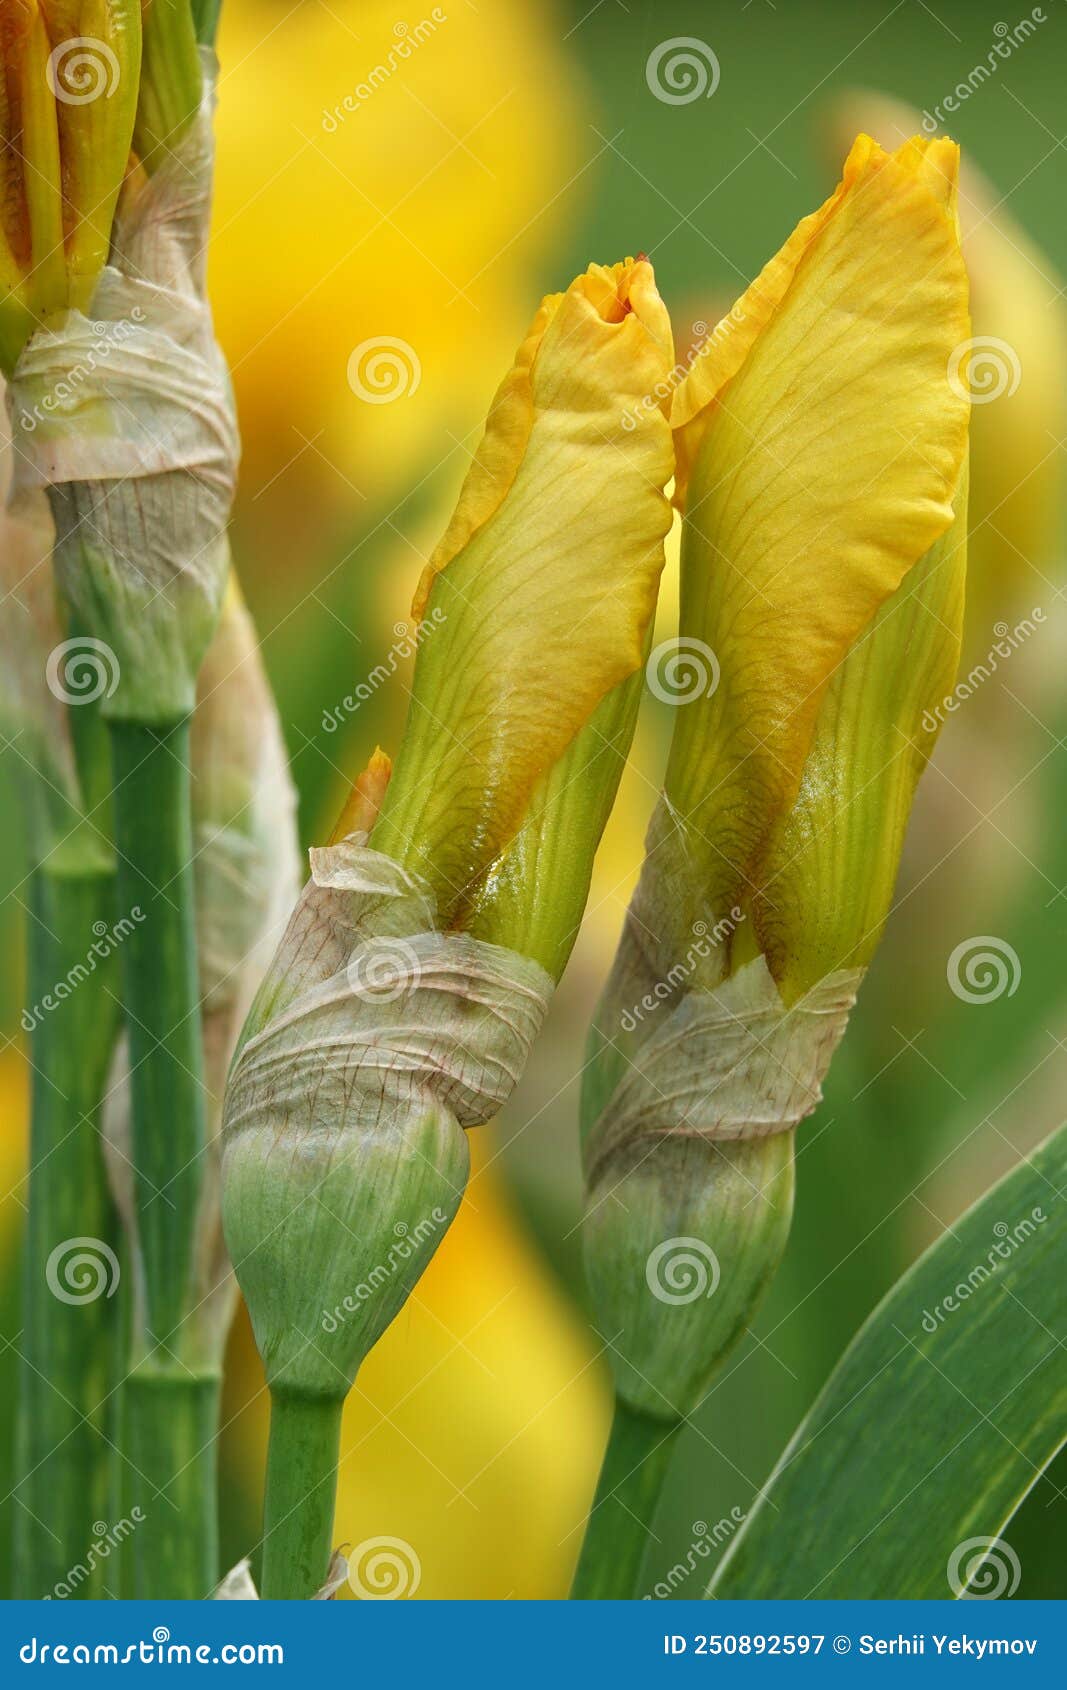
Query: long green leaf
{"points": [[941, 1415]]}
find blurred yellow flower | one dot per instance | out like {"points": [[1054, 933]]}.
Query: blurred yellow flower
{"points": [[418, 171]]}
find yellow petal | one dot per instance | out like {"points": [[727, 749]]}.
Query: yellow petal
{"points": [[364, 801], [935, 163], [538, 602], [826, 470], [1018, 368], [497, 459], [733, 337]]}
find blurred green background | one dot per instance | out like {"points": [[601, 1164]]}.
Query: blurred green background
{"points": [[512, 145]]}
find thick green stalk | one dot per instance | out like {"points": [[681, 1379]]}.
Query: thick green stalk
{"points": [[153, 837], [70, 1270], [635, 1465], [171, 1418], [165, 1415], [305, 1438]]}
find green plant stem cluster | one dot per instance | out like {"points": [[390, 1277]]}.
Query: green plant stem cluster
{"points": [[70, 1254]]}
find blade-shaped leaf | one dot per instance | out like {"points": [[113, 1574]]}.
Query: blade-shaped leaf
{"points": [[938, 1419]]}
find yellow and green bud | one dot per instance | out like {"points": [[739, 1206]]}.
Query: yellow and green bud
{"points": [[822, 476], [421, 958]]}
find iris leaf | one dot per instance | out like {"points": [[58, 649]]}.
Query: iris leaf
{"points": [[937, 1421]]}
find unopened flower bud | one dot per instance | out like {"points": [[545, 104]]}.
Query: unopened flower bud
{"points": [[422, 956], [822, 474]]}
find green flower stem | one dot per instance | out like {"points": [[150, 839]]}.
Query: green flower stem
{"points": [[169, 1399], [153, 836], [631, 1480], [305, 1441], [171, 1418], [68, 1272]]}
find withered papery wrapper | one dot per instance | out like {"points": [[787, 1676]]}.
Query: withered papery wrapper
{"points": [[376, 1040]]}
